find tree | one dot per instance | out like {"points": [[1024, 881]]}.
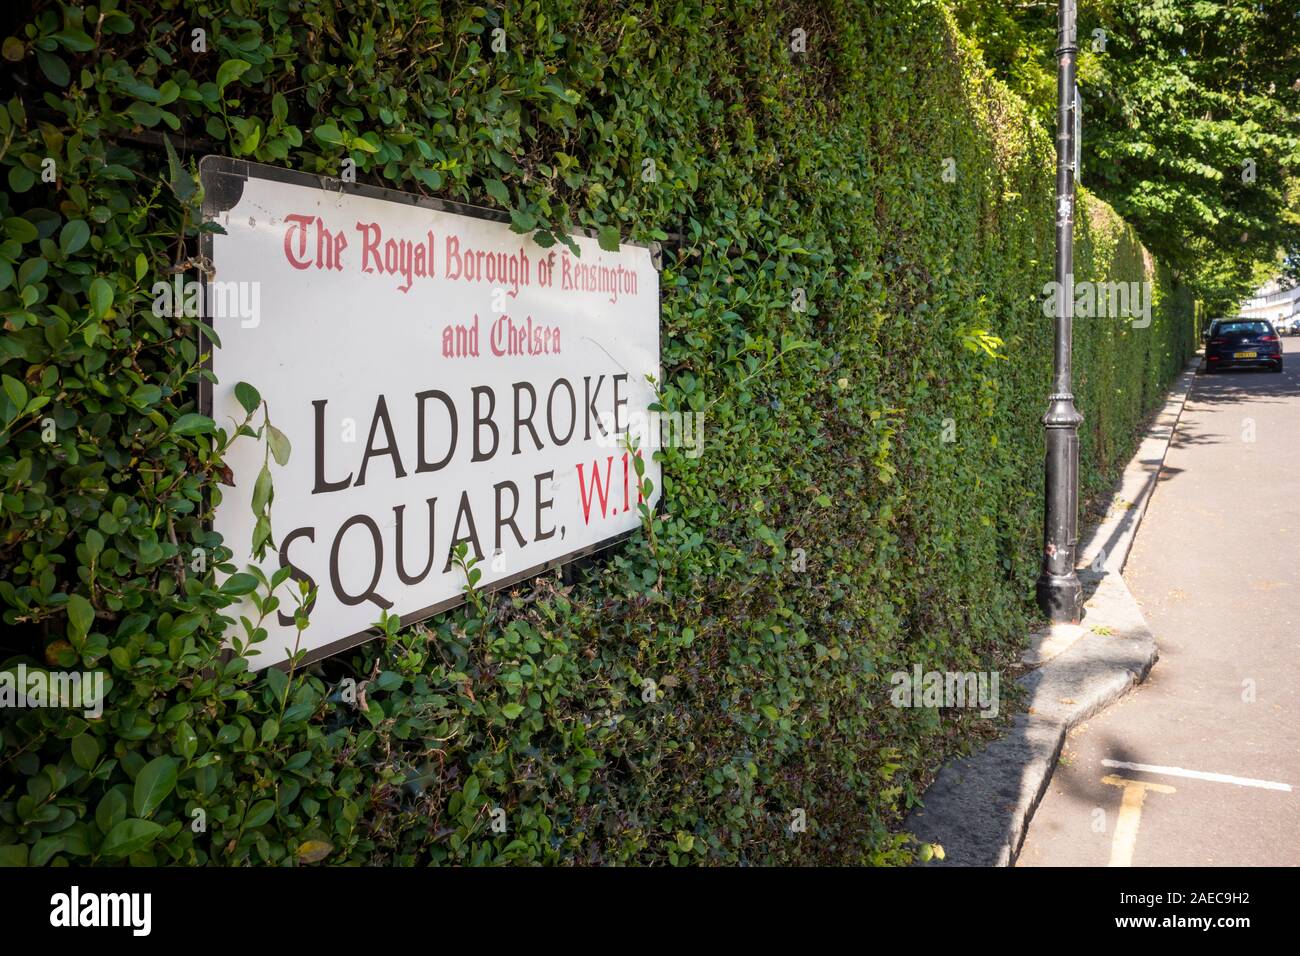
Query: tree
{"points": [[1192, 122]]}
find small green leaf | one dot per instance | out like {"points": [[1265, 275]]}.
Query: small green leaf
{"points": [[111, 811], [238, 584], [608, 238], [74, 235], [55, 70], [21, 179], [78, 41], [16, 391], [260, 813], [187, 742], [101, 297], [153, 785], [230, 71], [80, 617], [511, 711], [85, 750], [262, 490], [180, 181], [146, 114], [497, 190], [20, 230], [193, 424], [329, 134], [248, 396], [15, 854], [280, 447], [128, 837]]}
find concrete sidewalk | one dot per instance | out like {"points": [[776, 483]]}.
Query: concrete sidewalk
{"points": [[1200, 765], [979, 807]]}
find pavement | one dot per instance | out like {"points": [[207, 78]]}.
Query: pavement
{"points": [[1200, 765], [979, 808]]}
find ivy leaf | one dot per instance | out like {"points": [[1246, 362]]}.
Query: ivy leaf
{"points": [[511, 711]]}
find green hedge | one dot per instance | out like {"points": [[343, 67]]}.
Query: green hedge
{"points": [[825, 428]]}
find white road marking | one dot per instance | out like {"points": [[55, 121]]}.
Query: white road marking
{"points": [[1198, 775]]}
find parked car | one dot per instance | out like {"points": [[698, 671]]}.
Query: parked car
{"points": [[1292, 325], [1243, 343]]}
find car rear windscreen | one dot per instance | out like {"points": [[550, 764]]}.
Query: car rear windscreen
{"points": [[1242, 328]]}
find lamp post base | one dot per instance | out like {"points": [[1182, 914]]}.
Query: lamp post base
{"points": [[1061, 597]]}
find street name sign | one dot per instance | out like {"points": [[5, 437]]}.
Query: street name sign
{"points": [[442, 380]]}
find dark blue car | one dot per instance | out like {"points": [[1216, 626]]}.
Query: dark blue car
{"points": [[1242, 343]]}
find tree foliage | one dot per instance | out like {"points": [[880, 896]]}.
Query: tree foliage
{"points": [[1192, 122]]}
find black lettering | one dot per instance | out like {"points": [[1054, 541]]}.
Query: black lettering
{"points": [[322, 486], [591, 406], [421, 464], [369, 593], [618, 429], [390, 448], [509, 519], [472, 537], [550, 412], [401, 565], [526, 420], [480, 421], [541, 506]]}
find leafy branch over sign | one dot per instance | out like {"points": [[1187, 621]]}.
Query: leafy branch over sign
{"points": [[277, 446]]}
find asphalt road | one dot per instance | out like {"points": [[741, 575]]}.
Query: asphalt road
{"points": [[1216, 570]]}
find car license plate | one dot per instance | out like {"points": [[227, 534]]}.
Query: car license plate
{"points": [[1245, 354]]}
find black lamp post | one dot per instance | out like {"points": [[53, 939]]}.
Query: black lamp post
{"points": [[1060, 594]]}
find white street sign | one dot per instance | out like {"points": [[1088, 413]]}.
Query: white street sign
{"points": [[441, 379]]}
